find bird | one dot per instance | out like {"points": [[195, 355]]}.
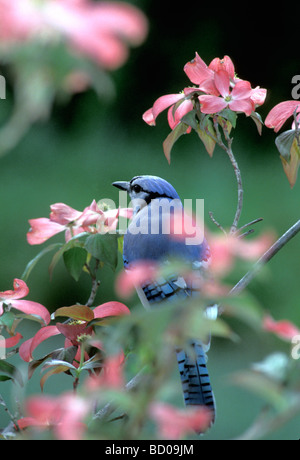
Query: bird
{"points": [[141, 243]]}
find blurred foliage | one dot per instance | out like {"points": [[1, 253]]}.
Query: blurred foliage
{"points": [[89, 143]]}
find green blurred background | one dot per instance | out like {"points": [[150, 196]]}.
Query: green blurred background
{"points": [[89, 143]]}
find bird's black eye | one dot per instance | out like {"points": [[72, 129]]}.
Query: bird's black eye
{"points": [[136, 188]]}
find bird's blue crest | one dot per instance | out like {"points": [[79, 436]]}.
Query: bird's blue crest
{"points": [[156, 185]]}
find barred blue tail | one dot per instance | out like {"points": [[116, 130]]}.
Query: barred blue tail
{"points": [[194, 376]]}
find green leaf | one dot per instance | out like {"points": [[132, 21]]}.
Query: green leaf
{"points": [[7, 319], [284, 143], [33, 262], [79, 312], [174, 135], [258, 121], [8, 371], [120, 243], [230, 116], [73, 242], [57, 369], [289, 149], [74, 260], [104, 247], [207, 140], [190, 119]]}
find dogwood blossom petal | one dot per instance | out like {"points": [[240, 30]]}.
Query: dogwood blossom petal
{"points": [[280, 113], [42, 229], [159, 106], [212, 104], [32, 308], [20, 290], [27, 347], [197, 71], [111, 309]]}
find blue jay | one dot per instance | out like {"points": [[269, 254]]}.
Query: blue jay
{"points": [[142, 243]]}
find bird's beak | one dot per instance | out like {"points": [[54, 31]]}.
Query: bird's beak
{"points": [[122, 185]]}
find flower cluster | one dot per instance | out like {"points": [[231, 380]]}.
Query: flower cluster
{"points": [[73, 222], [217, 88], [100, 31]]}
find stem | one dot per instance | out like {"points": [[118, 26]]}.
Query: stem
{"points": [[11, 416], [280, 243], [240, 187], [237, 172], [297, 131], [95, 283]]}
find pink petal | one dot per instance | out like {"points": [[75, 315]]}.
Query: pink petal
{"points": [[242, 90], [11, 341], [45, 410], [197, 71], [25, 422], [73, 331], [136, 276], [164, 102], [42, 229], [185, 107], [111, 309], [280, 113], [222, 82], [20, 290], [100, 31], [258, 95], [175, 423], [159, 106], [242, 105], [27, 348], [284, 329], [212, 104], [225, 64], [209, 87], [32, 308], [149, 118], [63, 214]]}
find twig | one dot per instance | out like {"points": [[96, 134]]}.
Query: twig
{"points": [[237, 172], [11, 416], [95, 283], [283, 240], [109, 408], [240, 188], [216, 222], [260, 219]]}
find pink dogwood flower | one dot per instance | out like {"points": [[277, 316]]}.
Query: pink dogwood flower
{"points": [[28, 307], [217, 79], [63, 414], [63, 218], [280, 114], [82, 315], [101, 31], [284, 329], [238, 99], [175, 423]]}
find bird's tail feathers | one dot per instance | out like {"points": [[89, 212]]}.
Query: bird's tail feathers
{"points": [[196, 386]]}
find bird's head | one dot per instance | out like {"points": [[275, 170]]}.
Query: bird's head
{"points": [[143, 189]]}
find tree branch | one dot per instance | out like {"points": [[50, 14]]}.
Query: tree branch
{"points": [[283, 240]]}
